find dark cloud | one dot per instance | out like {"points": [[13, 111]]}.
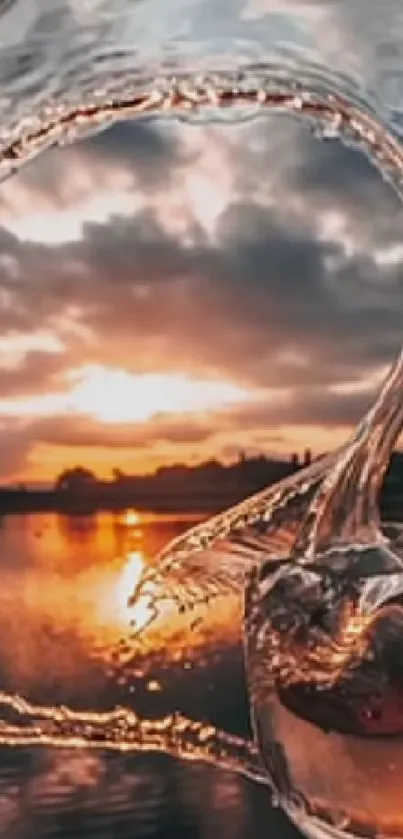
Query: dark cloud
{"points": [[262, 288], [152, 152], [337, 177], [147, 153], [305, 406], [322, 176], [274, 301]]}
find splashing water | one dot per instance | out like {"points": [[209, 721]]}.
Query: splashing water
{"points": [[323, 584]]}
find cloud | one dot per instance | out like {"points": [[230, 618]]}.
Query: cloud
{"points": [[16, 443], [153, 153], [262, 288], [255, 425], [81, 431], [37, 373], [286, 292]]}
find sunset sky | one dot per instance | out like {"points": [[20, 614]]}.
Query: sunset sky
{"points": [[173, 293]]}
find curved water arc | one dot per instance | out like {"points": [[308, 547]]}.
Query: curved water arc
{"points": [[62, 50], [230, 94], [334, 116]]}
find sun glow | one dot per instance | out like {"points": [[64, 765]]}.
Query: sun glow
{"points": [[139, 614], [112, 395], [131, 518]]}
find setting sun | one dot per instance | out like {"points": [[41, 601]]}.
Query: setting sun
{"points": [[114, 396], [131, 518]]}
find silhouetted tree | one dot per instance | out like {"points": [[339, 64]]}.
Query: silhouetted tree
{"points": [[76, 481]]}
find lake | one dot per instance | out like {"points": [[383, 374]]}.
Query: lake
{"points": [[65, 583]]}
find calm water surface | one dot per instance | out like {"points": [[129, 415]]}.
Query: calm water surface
{"points": [[64, 584]]}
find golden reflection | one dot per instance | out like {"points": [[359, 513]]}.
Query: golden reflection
{"points": [[78, 616], [132, 517], [153, 686], [139, 614]]}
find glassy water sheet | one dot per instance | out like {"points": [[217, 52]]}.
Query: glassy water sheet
{"points": [[206, 573], [99, 59]]}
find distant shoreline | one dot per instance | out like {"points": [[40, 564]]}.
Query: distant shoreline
{"points": [[206, 489], [30, 502], [35, 503]]}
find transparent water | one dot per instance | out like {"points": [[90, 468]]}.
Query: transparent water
{"points": [[322, 582]]}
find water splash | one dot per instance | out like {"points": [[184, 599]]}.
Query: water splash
{"points": [[323, 612], [123, 731], [324, 643], [220, 96]]}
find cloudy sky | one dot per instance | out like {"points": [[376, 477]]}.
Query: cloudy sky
{"points": [[173, 293]]}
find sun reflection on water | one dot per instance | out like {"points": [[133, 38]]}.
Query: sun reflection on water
{"points": [[139, 614], [84, 620], [131, 518]]}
